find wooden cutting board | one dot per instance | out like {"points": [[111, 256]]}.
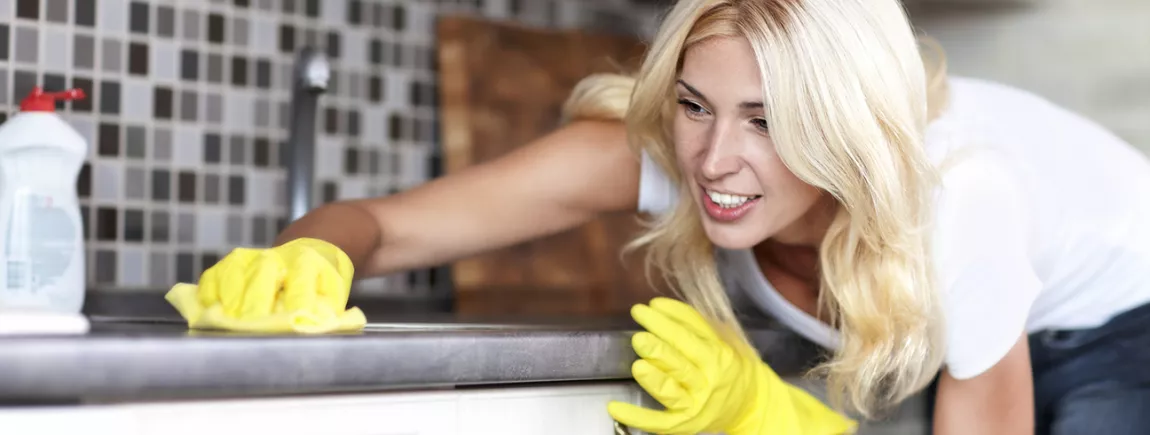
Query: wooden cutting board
{"points": [[502, 85]]}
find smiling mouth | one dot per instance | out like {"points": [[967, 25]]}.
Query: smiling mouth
{"points": [[729, 200]]}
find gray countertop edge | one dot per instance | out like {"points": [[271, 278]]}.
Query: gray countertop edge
{"points": [[156, 366]]}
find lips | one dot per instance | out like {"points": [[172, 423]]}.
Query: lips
{"points": [[725, 207]]}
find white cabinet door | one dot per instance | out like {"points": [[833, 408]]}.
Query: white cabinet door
{"points": [[552, 410], [579, 409], [417, 413]]}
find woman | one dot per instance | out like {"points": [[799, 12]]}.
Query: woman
{"points": [[802, 156]]}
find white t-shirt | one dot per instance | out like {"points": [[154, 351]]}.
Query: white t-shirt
{"points": [[1042, 223]]}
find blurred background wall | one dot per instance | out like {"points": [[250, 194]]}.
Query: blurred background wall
{"points": [[1091, 56]]}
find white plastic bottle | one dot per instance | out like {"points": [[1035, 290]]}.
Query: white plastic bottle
{"points": [[41, 232]]}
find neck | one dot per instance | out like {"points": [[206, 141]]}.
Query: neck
{"points": [[810, 229], [798, 261]]}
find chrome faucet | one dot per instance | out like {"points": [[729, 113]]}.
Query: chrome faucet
{"points": [[312, 73]]}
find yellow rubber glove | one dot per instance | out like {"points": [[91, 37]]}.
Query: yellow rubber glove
{"points": [[301, 286], [709, 386]]}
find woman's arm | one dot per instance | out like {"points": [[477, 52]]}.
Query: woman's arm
{"points": [[555, 183], [998, 401]]}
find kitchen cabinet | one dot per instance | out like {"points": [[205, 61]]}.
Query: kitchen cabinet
{"points": [[576, 409], [502, 86]]}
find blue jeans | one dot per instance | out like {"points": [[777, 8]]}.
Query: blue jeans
{"points": [[1094, 381], [1090, 381]]}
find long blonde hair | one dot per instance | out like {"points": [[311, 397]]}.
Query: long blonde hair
{"points": [[848, 97]]}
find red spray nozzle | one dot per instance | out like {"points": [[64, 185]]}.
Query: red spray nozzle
{"points": [[40, 101]]}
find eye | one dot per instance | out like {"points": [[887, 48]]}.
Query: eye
{"points": [[692, 108], [760, 123]]}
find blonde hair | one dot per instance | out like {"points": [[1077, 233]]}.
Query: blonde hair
{"points": [[856, 70]]}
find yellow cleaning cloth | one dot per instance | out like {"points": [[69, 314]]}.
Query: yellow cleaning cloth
{"points": [[299, 287], [183, 297]]}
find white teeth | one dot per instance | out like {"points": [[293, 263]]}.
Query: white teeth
{"points": [[726, 200]]}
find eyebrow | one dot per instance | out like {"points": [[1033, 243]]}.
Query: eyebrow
{"points": [[743, 105]]}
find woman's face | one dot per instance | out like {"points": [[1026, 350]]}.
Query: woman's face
{"points": [[743, 190]]}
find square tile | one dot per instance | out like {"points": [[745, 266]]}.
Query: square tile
{"points": [[213, 145], [160, 223], [189, 105], [135, 181], [235, 230], [136, 141], [137, 100], [189, 147], [85, 12], [113, 16], [109, 97], [261, 152], [186, 186], [212, 188], [108, 143], [105, 267], [216, 30], [28, 9], [138, 18], [239, 71], [22, 84], [56, 10], [356, 48], [261, 232], [214, 108], [159, 270], [58, 53], [85, 84], [264, 36], [263, 74], [107, 224], [284, 116], [237, 150], [262, 113], [162, 144], [236, 190], [111, 55], [5, 38], [138, 59], [106, 180], [185, 228], [334, 13], [165, 61], [163, 105], [210, 231], [238, 112], [287, 39], [241, 32], [133, 225], [132, 272], [165, 21], [192, 25], [189, 65], [27, 44], [161, 185], [84, 51], [215, 68], [185, 268]]}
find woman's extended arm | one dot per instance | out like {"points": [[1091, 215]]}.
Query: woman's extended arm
{"points": [[552, 184]]}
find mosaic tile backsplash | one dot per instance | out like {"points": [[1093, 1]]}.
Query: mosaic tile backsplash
{"points": [[188, 106]]}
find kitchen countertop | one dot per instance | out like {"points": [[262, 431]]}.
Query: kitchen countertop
{"points": [[137, 357]]}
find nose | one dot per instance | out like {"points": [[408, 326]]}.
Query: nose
{"points": [[721, 157]]}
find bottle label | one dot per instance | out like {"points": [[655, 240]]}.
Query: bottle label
{"points": [[41, 242]]}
